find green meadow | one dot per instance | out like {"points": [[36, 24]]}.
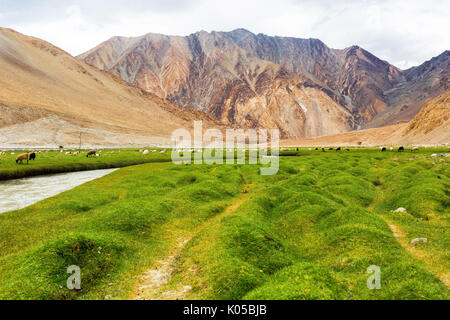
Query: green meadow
{"points": [[50, 162], [227, 232]]}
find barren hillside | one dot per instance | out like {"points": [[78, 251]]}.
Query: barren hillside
{"points": [[47, 97]]}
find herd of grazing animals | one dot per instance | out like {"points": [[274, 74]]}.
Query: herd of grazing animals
{"points": [[26, 156], [93, 153], [383, 149], [32, 155]]}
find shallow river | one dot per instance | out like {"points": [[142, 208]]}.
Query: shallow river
{"points": [[20, 193]]}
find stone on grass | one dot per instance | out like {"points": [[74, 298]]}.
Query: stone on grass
{"points": [[400, 210], [417, 240]]}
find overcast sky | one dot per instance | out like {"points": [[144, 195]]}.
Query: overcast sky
{"points": [[405, 33]]}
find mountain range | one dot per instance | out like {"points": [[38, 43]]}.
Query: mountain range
{"points": [[137, 91], [301, 86]]}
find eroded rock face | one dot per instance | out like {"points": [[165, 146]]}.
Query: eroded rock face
{"points": [[358, 77], [300, 86]]}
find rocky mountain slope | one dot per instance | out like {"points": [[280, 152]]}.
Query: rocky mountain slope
{"points": [[432, 123], [47, 97], [301, 86], [421, 84], [210, 72], [431, 126]]}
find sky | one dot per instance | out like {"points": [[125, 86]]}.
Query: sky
{"points": [[404, 32]]}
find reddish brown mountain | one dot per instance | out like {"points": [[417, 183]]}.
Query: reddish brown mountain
{"points": [[301, 86], [210, 72]]}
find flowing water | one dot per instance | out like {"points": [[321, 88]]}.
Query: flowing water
{"points": [[20, 193]]}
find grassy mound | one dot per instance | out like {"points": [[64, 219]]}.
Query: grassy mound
{"points": [[41, 273], [302, 281]]}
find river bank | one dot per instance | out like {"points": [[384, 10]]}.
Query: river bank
{"points": [[20, 193], [53, 162]]}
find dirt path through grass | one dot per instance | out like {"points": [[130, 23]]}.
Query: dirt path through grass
{"points": [[152, 282], [432, 263], [443, 275]]}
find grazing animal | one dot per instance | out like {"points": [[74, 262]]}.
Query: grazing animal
{"points": [[33, 156], [384, 149], [91, 153], [317, 149], [21, 157], [331, 149], [391, 148], [347, 149], [338, 149], [323, 149], [415, 149], [145, 153], [401, 149]]}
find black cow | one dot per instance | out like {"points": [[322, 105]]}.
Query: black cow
{"points": [[32, 156], [338, 149], [401, 149], [383, 149]]}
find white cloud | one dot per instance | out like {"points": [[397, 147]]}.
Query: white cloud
{"points": [[405, 33]]}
